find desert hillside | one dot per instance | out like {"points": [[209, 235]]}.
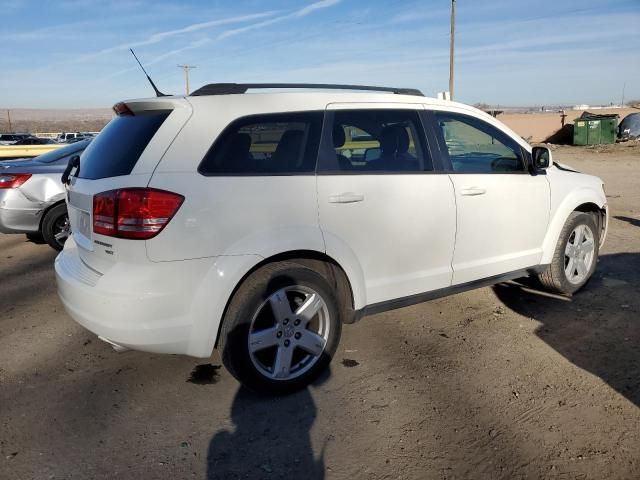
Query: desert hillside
{"points": [[55, 120]]}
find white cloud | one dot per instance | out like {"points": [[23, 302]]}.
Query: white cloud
{"points": [[297, 14], [159, 37]]}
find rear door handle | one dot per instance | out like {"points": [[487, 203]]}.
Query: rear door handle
{"points": [[347, 197], [473, 191]]}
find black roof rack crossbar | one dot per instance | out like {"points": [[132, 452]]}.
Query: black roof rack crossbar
{"points": [[235, 88]]}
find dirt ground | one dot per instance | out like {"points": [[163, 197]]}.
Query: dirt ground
{"points": [[498, 383]]}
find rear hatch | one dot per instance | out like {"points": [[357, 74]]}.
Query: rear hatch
{"points": [[123, 155]]}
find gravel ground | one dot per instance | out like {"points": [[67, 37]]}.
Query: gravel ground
{"points": [[503, 382]]}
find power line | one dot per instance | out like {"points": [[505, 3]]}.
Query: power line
{"points": [[186, 69]]}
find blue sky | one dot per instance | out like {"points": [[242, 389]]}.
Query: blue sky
{"points": [[74, 53]]}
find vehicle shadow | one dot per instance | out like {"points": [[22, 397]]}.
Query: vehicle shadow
{"points": [[633, 221], [271, 437], [596, 329]]}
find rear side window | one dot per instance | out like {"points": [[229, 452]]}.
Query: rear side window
{"points": [[118, 147], [377, 141], [273, 144]]}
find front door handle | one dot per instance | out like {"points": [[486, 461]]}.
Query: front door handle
{"points": [[473, 191], [347, 197]]}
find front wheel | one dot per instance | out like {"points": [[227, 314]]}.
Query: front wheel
{"points": [[55, 227], [575, 257], [281, 328]]}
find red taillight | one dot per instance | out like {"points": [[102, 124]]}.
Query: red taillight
{"points": [[122, 109], [135, 213], [13, 180]]}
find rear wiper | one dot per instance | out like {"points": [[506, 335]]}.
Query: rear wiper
{"points": [[74, 162]]}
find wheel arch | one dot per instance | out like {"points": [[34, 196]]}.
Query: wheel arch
{"points": [[320, 262], [582, 200]]}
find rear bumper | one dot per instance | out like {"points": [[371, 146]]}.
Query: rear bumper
{"points": [[142, 307], [159, 307]]}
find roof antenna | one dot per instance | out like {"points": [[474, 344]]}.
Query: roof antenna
{"points": [[153, 85]]}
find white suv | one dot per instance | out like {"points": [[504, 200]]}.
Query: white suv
{"points": [[261, 222]]}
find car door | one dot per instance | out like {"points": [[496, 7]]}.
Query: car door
{"points": [[382, 204], [502, 208]]}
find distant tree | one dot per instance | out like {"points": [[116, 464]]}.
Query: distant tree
{"points": [[482, 106]]}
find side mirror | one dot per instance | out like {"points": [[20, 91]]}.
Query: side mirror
{"points": [[541, 157]]}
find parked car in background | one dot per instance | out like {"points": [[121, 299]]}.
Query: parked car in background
{"points": [[12, 138], [35, 141], [64, 137], [32, 196], [81, 137], [261, 223], [70, 137], [629, 128]]}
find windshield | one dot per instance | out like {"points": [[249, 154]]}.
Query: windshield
{"points": [[62, 152]]}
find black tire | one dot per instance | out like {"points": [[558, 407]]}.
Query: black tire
{"points": [[250, 298], [554, 278], [51, 223], [35, 237]]}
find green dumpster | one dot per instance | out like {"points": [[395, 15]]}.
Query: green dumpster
{"points": [[593, 129]]}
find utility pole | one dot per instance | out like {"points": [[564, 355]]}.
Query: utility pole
{"points": [[9, 119], [452, 47], [186, 69], [624, 86]]}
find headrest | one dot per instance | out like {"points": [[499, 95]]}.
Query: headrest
{"points": [[394, 139]]}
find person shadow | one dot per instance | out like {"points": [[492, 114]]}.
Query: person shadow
{"points": [[271, 438], [598, 328]]}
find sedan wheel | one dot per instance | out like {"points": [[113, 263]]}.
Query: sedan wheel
{"points": [[62, 230], [55, 226]]}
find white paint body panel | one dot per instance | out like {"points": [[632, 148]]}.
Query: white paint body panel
{"points": [[401, 235], [406, 236], [501, 230]]}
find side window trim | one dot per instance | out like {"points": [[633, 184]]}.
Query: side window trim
{"points": [[444, 152], [327, 162], [427, 119]]}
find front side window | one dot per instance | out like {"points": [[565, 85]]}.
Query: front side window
{"points": [[475, 146], [272, 144], [377, 141]]}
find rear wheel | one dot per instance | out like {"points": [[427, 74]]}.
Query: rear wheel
{"points": [[576, 255], [55, 227], [281, 328]]}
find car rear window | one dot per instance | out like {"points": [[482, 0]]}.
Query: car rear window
{"points": [[118, 147]]}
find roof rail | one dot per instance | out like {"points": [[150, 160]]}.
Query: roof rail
{"points": [[235, 88]]}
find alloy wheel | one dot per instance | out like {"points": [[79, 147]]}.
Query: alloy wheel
{"points": [[579, 254], [289, 332]]}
